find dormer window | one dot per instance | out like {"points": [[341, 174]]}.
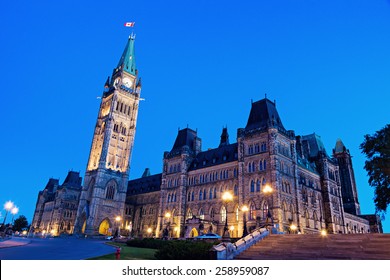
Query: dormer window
{"points": [[224, 157], [204, 162]]}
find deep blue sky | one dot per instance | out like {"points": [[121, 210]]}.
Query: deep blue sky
{"points": [[326, 63]]}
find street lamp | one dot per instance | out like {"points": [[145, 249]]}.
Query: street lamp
{"points": [[293, 228], [14, 211], [231, 229], [118, 219], [244, 210], [226, 197], [7, 206], [267, 190], [149, 230]]}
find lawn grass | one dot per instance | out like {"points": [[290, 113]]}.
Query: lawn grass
{"points": [[129, 253]]}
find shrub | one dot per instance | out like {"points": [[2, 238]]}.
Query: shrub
{"points": [[184, 250], [146, 243]]}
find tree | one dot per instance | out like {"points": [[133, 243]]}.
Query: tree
{"points": [[377, 150], [20, 223]]}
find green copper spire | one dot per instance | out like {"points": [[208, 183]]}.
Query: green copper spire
{"points": [[127, 60]]}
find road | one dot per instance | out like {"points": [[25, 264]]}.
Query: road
{"points": [[57, 249]]}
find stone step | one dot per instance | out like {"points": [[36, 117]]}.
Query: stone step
{"points": [[311, 246]]}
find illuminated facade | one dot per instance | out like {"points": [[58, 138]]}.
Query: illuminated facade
{"points": [[286, 181], [105, 183], [306, 191], [56, 207]]}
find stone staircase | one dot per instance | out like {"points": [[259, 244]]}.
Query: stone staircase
{"points": [[317, 247]]}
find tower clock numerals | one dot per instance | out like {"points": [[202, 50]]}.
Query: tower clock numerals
{"points": [[127, 82]]}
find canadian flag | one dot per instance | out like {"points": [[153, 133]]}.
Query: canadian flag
{"points": [[129, 24]]}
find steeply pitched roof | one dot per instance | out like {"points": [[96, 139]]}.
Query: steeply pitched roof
{"points": [[185, 137], [220, 155], [52, 184], [224, 137], [263, 114], [315, 144], [146, 184], [127, 60], [304, 163], [73, 180], [340, 147]]}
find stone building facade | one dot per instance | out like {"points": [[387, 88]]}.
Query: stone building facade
{"points": [[308, 190], [56, 207], [306, 187], [105, 183]]}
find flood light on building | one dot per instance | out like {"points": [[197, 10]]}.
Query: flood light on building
{"points": [[323, 232], [227, 196], [267, 189], [293, 227]]}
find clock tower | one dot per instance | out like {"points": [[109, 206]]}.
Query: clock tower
{"points": [[105, 184]]}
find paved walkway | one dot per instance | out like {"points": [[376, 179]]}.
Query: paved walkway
{"points": [[13, 242], [70, 248]]}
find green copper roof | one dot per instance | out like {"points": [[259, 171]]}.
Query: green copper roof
{"points": [[127, 60]]}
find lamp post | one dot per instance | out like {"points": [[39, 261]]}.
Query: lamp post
{"points": [[244, 210], [268, 192], [14, 211], [7, 206], [118, 219], [293, 228], [226, 197], [149, 230]]}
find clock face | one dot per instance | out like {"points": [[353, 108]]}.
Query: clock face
{"points": [[127, 82]]}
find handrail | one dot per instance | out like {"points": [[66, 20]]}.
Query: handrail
{"points": [[227, 250]]}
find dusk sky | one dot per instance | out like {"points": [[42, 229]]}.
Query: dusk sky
{"points": [[326, 63]]}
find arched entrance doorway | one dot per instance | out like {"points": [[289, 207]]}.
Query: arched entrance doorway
{"points": [[104, 227], [194, 233]]}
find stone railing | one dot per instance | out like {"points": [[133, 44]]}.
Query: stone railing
{"points": [[227, 250]]}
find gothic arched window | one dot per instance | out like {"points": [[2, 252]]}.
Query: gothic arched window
{"points": [[223, 214], [201, 214], [265, 210], [252, 212], [258, 185], [235, 190], [252, 186], [189, 214], [110, 190], [212, 213]]}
